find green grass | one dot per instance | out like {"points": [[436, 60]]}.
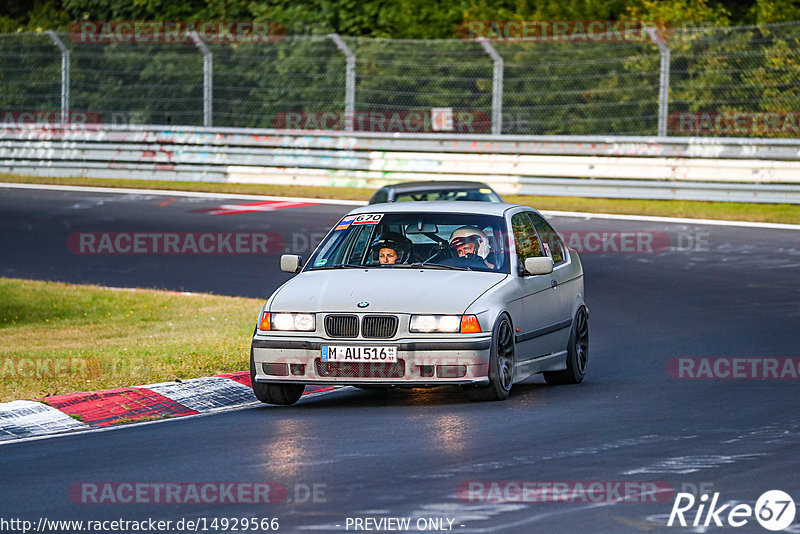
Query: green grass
{"points": [[736, 211], [58, 338]]}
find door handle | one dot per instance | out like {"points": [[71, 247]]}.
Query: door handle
{"points": [[553, 283]]}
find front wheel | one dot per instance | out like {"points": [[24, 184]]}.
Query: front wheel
{"points": [[283, 394], [501, 364], [577, 353]]}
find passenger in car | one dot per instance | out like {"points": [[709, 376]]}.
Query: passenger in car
{"points": [[387, 256], [472, 244], [391, 248]]}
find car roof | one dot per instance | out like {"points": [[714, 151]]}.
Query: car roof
{"points": [[439, 206], [407, 187]]}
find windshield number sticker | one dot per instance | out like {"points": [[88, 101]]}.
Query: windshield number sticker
{"points": [[358, 354], [368, 218]]}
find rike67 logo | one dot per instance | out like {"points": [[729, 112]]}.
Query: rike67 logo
{"points": [[774, 510]]}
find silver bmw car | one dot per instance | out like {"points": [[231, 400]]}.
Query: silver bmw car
{"points": [[479, 295]]}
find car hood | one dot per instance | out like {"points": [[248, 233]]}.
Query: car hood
{"points": [[386, 290]]}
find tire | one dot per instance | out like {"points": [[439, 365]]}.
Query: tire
{"points": [[501, 365], [577, 353], [283, 394]]}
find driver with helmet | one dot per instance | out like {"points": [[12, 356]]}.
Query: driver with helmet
{"points": [[391, 248], [471, 243]]}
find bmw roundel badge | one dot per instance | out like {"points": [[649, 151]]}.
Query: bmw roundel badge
{"points": [[363, 304]]}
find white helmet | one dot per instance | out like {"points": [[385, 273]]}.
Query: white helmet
{"points": [[470, 234]]}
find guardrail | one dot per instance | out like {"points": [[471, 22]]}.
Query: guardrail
{"points": [[731, 169]]}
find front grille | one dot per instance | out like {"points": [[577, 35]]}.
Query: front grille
{"points": [[360, 369], [379, 326], [341, 325]]}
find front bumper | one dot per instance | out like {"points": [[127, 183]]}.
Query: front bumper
{"points": [[421, 362]]}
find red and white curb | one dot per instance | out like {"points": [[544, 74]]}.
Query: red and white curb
{"points": [[22, 418], [97, 409]]}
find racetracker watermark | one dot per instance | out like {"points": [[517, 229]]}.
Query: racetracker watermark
{"points": [[634, 242], [583, 241], [40, 368], [195, 493], [729, 368], [175, 32], [562, 30], [103, 243], [735, 122], [338, 361], [410, 120], [571, 491], [90, 120]]}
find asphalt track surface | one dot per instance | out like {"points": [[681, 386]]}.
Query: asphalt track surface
{"points": [[716, 292]]}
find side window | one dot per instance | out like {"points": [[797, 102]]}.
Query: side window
{"points": [[525, 238], [552, 241], [360, 244]]}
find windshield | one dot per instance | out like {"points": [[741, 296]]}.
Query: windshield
{"points": [[419, 240]]}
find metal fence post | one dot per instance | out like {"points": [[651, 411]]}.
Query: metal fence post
{"points": [[64, 75], [349, 81], [208, 81], [497, 88], [663, 83]]}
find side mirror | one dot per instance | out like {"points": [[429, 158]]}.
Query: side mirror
{"points": [[540, 265], [292, 263]]}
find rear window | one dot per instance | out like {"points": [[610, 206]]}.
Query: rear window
{"points": [[479, 195]]}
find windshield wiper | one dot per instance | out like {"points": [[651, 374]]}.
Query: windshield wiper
{"points": [[425, 264], [439, 265], [340, 266]]}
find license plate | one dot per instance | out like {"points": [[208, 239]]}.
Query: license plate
{"points": [[345, 353]]}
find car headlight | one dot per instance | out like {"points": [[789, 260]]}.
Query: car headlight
{"points": [[466, 324], [289, 322]]}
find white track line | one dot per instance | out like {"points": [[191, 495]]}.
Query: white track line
{"points": [[584, 215], [166, 192], [672, 220]]}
